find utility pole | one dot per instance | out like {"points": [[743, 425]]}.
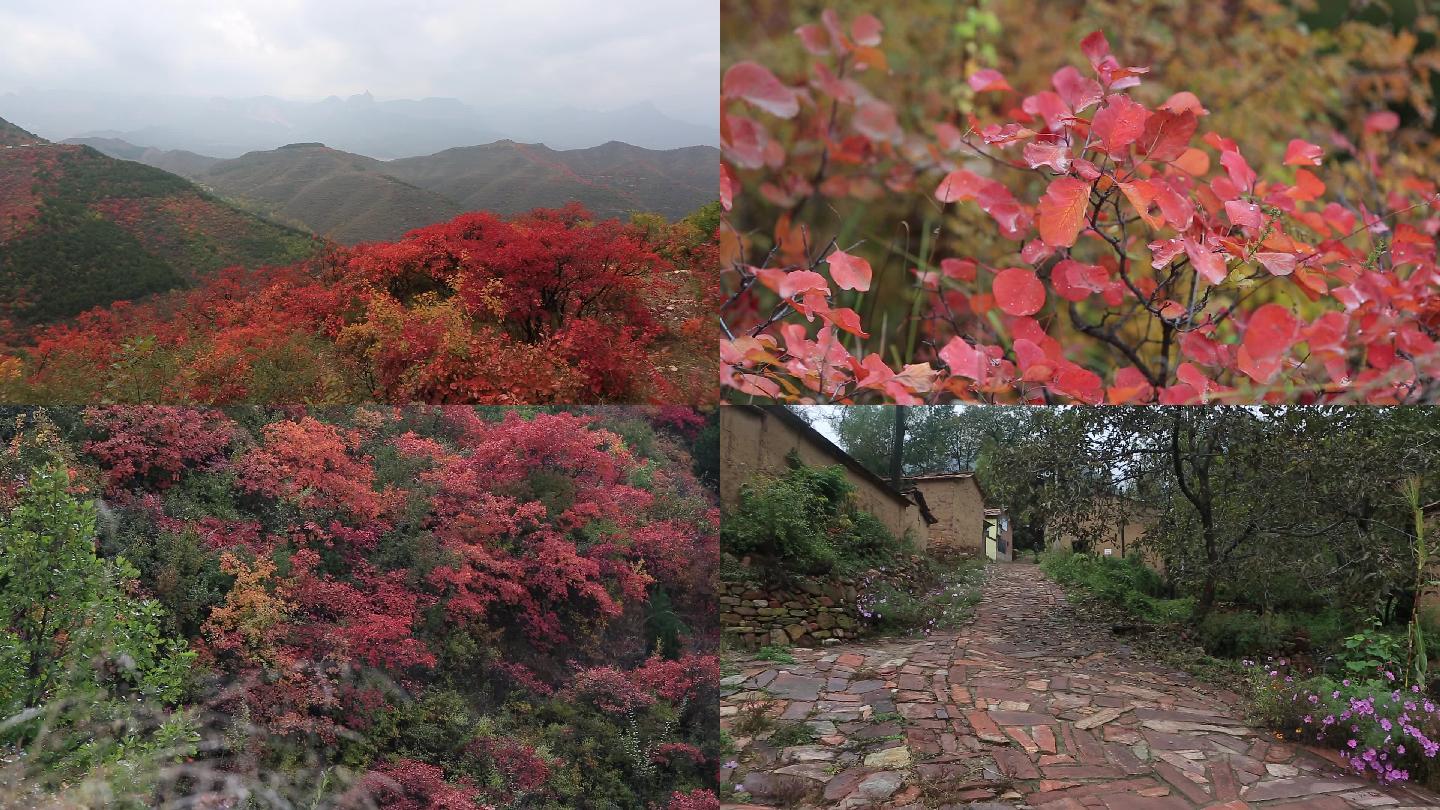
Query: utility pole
{"points": [[897, 448]]}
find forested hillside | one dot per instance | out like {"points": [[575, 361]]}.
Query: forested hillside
{"points": [[358, 607], [79, 229], [549, 306]]}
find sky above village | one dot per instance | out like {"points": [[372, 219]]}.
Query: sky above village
{"points": [[538, 54]]}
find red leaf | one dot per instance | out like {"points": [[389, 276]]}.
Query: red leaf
{"points": [[1141, 195], [727, 186], [1079, 383], [1240, 172], [1095, 47], [1167, 135], [1184, 101], [1307, 187], [1119, 123], [1075, 281], [1055, 154], [1244, 214], [962, 269], [1008, 134], [983, 81], [964, 359], [847, 319], [1202, 349], [1271, 332], [815, 39], [959, 185], [1018, 292], [849, 272], [866, 30], [754, 83], [1174, 206], [1302, 153], [876, 120], [747, 144], [799, 281], [1035, 365], [1049, 107], [1259, 369], [1078, 91], [1381, 121], [1210, 265], [1130, 387], [1279, 264], [1062, 211]]}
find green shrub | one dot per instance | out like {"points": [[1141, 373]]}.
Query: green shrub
{"points": [[1237, 634], [1125, 583], [892, 609], [779, 655], [806, 522], [1370, 652], [788, 734]]}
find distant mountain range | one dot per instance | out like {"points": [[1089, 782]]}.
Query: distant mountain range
{"points": [[351, 198], [80, 229], [386, 130]]}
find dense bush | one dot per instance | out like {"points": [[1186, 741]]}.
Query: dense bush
{"points": [[1125, 582], [105, 230], [1075, 237], [944, 601], [805, 522], [1237, 634]]}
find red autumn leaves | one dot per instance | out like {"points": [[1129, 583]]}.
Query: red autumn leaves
{"points": [[1146, 261]]}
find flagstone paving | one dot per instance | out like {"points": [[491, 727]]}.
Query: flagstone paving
{"points": [[1032, 704]]}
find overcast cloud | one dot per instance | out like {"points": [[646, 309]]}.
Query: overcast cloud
{"points": [[590, 54]]}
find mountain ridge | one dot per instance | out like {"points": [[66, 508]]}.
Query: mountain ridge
{"points": [[385, 129], [354, 198]]}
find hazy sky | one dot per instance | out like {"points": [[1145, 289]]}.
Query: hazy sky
{"points": [[594, 54]]}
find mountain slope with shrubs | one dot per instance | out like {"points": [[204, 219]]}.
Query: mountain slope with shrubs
{"points": [[549, 306], [419, 607]]}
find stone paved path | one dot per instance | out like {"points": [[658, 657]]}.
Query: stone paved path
{"points": [[1031, 705]]}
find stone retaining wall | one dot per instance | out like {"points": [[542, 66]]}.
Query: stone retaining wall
{"points": [[808, 612]]}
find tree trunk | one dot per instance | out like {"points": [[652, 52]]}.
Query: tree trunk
{"points": [[897, 448], [1207, 597]]}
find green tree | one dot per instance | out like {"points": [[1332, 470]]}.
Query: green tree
{"points": [[937, 439], [86, 674], [1261, 506]]}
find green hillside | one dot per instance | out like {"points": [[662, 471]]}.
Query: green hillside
{"points": [[79, 229], [612, 180], [338, 195]]}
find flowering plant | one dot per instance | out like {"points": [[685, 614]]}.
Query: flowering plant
{"points": [[1380, 727]]}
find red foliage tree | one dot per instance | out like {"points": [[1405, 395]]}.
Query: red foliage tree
{"points": [[138, 441], [318, 466], [1152, 266], [523, 554], [406, 784]]}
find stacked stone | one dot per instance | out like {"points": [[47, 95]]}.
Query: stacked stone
{"points": [[807, 612]]}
